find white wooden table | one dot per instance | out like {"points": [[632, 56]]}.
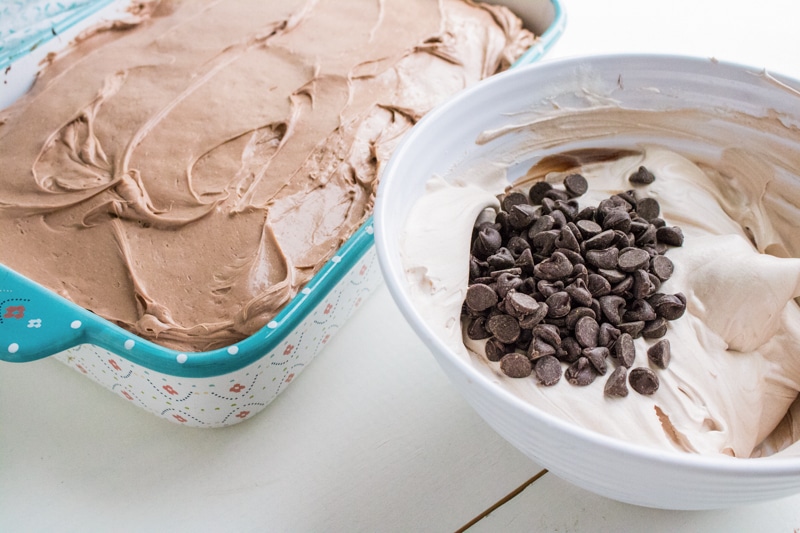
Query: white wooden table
{"points": [[371, 437]]}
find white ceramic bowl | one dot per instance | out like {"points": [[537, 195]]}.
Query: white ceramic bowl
{"points": [[445, 139]]}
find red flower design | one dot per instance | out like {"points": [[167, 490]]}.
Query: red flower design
{"points": [[290, 377], [15, 311], [328, 308], [288, 350], [358, 302], [79, 367], [128, 396], [179, 418], [242, 414], [363, 270], [237, 388], [114, 364], [325, 339], [170, 390]]}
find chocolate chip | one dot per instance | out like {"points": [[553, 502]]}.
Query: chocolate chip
{"points": [[655, 329], [516, 245], [476, 330], [669, 306], [631, 259], [642, 176], [569, 208], [577, 313], [625, 350], [604, 239], [648, 208], [576, 185], [623, 288], [495, 350], [524, 341], [501, 259], [548, 333], [662, 267], [579, 293], [516, 365], [529, 321], [512, 199], [543, 223], [634, 329], [597, 357], [539, 348], [580, 373], [555, 195], [659, 353], [607, 335], [488, 241], [574, 257], [580, 272], [547, 203], [643, 380], [655, 282], [545, 242], [546, 288], [612, 307], [521, 215], [519, 304], [558, 304], [505, 282], [554, 268], [586, 331], [538, 190], [647, 237], [566, 239], [559, 218], [613, 275], [639, 310], [617, 219], [671, 235], [643, 285], [638, 227], [548, 370], [525, 261], [616, 384], [630, 198], [588, 228], [570, 350], [481, 297], [504, 327], [598, 285], [604, 258]]}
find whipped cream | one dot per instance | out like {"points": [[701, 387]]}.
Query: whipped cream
{"points": [[732, 384]]}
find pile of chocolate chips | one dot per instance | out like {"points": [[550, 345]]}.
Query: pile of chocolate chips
{"points": [[559, 288]]}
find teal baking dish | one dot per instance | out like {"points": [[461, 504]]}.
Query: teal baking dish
{"points": [[213, 388]]}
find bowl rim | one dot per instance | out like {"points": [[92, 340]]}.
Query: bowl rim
{"points": [[779, 467]]}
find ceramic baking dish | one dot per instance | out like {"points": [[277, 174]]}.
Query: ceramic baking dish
{"points": [[202, 389]]}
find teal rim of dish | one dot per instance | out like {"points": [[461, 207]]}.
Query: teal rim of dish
{"points": [[25, 26]]}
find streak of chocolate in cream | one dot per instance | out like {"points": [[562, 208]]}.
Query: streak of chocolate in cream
{"points": [[188, 177]]}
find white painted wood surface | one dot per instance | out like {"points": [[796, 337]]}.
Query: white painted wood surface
{"points": [[371, 437]]}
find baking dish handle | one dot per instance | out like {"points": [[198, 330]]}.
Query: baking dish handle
{"points": [[35, 322]]}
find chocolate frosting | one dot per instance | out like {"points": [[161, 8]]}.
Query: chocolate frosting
{"points": [[184, 173]]}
